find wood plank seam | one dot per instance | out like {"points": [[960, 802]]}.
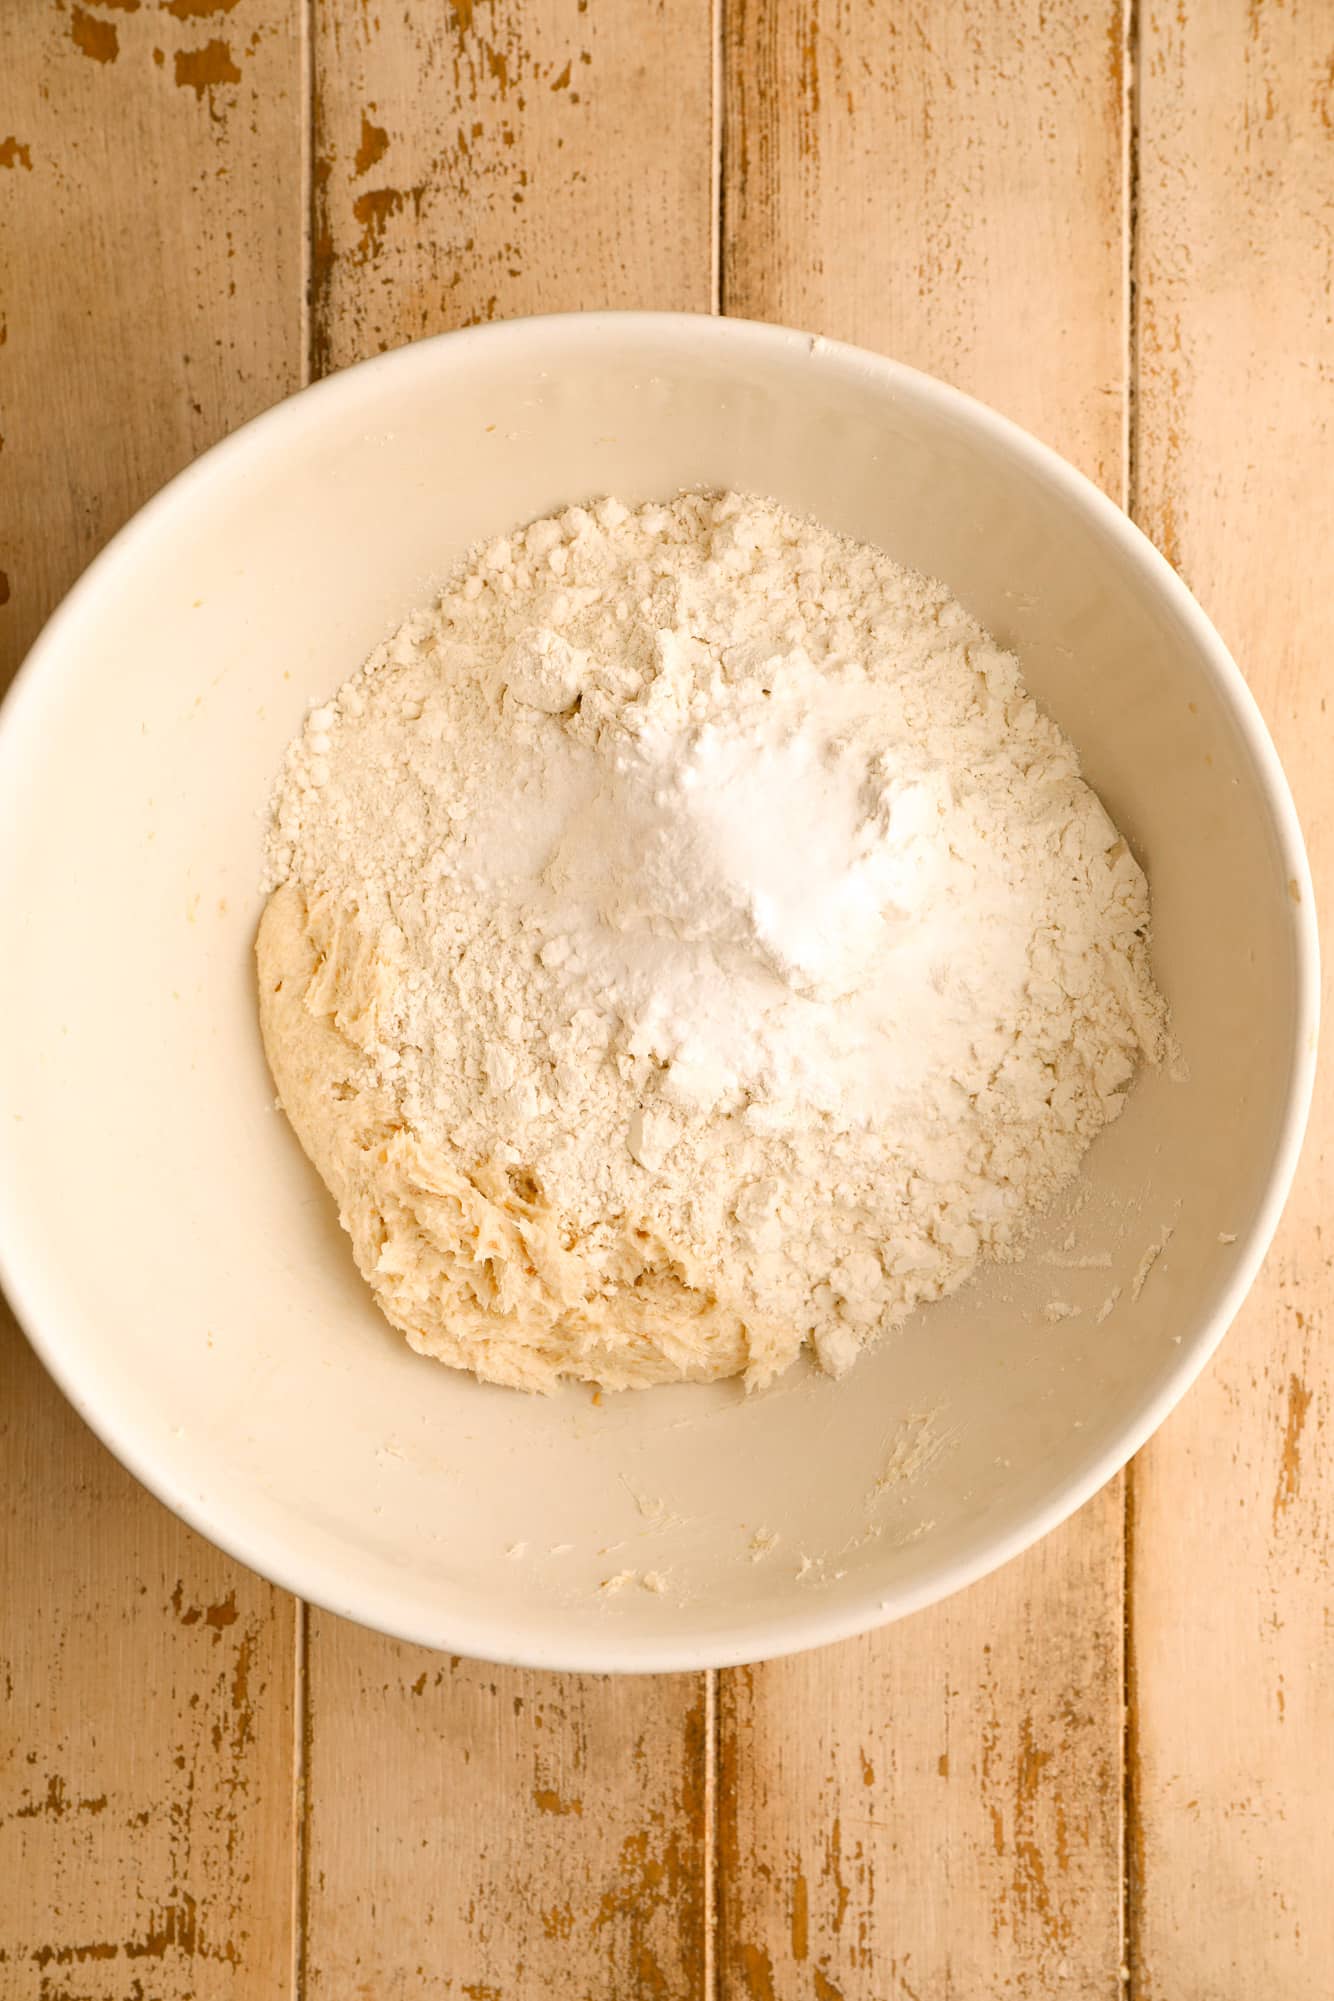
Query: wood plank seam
{"points": [[301, 1716], [718, 30], [710, 1866], [306, 33], [300, 1800], [1131, 39], [1131, 1853], [720, 158], [1132, 28], [711, 1861]]}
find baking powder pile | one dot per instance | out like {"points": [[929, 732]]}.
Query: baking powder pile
{"points": [[690, 941]]}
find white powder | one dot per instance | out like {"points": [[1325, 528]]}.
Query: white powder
{"points": [[733, 892]]}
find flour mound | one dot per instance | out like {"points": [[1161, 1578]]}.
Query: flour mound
{"points": [[689, 941]]}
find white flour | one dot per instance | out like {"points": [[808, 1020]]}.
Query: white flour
{"points": [[729, 894]]}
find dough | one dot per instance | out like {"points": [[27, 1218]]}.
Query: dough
{"points": [[469, 1266]]}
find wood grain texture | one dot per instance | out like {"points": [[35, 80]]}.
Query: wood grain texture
{"points": [[1232, 1591], [532, 1835], [474, 161], [150, 258], [944, 184], [937, 1811], [146, 1824], [150, 255], [500, 1835]]}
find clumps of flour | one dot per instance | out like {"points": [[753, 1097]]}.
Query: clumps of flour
{"points": [[726, 894]]}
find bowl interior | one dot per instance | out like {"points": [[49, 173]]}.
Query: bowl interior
{"points": [[180, 1264]]}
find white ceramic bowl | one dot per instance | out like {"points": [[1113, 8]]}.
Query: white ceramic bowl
{"points": [[178, 1265]]}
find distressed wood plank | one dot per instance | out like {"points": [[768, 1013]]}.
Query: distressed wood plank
{"points": [[936, 1811], [151, 256], [146, 1704], [488, 1832], [1232, 1595], [150, 176], [946, 185], [530, 1834], [475, 161]]}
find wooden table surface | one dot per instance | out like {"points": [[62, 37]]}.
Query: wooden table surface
{"points": [[1109, 1768]]}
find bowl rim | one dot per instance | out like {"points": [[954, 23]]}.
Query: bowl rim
{"points": [[810, 1624]]}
